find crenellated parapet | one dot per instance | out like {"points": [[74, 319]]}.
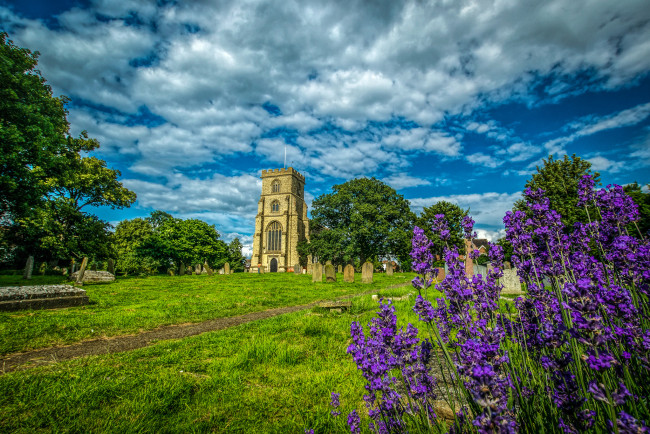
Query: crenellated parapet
{"points": [[280, 172]]}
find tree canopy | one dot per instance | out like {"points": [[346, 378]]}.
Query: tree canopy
{"points": [[642, 200], [45, 181], [559, 179], [454, 215], [362, 219]]}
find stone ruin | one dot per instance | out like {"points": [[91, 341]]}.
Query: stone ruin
{"points": [[41, 297]]}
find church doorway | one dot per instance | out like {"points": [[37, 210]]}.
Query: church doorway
{"points": [[274, 265]]}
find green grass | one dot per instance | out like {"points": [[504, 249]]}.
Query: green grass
{"points": [[129, 305], [274, 375]]}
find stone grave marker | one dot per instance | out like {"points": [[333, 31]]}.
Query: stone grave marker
{"points": [[339, 269], [111, 266], [348, 274], [181, 270], [366, 272], [29, 268], [297, 269], [226, 268], [310, 268], [170, 271], [317, 272], [197, 269], [207, 268], [93, 276], [389, 268], [330, 274], [511, 282], [82, 270], [189, 270]]}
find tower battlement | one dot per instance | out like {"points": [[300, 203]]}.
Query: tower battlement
{"points": [[287, 171]]}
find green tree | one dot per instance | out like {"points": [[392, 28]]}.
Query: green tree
{"points": [[189, 241], [643, 202], [45, 182], [454, 215], [559, 179], [130, 240], [235, 256], [362, 218]]}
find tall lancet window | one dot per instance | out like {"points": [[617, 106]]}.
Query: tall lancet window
{"points": [[275, 188], [274, 234], [275, 206]]}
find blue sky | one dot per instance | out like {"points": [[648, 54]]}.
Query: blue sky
{"points": [[443, 100]]}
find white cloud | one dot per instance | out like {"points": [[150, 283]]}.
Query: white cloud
{"points": [[481, 159], [402, 180], [602, 164], [487, 209]]}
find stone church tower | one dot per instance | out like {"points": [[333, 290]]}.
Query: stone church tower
{"points": [[281, 221]]}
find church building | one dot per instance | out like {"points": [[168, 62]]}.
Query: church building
{"points": [[281, 221]]}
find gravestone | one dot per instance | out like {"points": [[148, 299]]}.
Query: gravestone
{"points": [[181, 270], [82, 270], [297, 269], [197, 269], [189, 270], [29, 268], [111, 266], [170, 271], [366, 272], [207, 268], [93, 276], [330, 275], [220, 270], [328, 263], [226, 268], [348, 274], [339, 269], [389, 268], [511, 282], [310, 268], [317, 272]]}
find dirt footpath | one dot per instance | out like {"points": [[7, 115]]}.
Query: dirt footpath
{"points": [[118, 344]]}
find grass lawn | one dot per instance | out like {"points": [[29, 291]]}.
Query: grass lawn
{"points": [[129, 305], [274, 375]]}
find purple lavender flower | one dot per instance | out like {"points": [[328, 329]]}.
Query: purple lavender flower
{"points": [[335, 403], [354, 422]]}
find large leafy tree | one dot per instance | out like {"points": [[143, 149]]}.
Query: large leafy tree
{"points": [[45, 182], [362, 219], [454, 215], [130, 241], [559, 179]]}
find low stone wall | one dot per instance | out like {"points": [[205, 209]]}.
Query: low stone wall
{"points": [[41, 297]]}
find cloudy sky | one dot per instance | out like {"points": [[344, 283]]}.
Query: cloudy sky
{"points": [[443, 100]]}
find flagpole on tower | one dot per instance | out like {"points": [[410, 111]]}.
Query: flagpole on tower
{"points": [[285, 156]]}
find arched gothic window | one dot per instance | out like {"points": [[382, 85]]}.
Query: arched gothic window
{"points": [[275, 188], [274, 236], [275, 206]]}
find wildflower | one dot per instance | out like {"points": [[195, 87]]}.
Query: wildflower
{"points": [[354, 422], [335, 403]]}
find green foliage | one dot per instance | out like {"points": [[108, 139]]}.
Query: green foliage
{"points": [[559, 179], [507, 248], [45, 182], [454, 215], [643, 202], [235, 256], [362, 218], [129, 240]]}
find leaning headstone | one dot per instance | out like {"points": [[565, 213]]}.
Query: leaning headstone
{"points": [[93, 276], [317, 272], [29, 268], [330, 274], [207, 268], [226, 268], [348, 273], [111, 266], [82, 270], [297, 269], [389, 268], [366, 272], [339, 269], [511, 282]]}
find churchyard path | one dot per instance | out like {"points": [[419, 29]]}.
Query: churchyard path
{"points": [[117, 344]]}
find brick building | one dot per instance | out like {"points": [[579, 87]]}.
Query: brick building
{"points": [[281, 221]]}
